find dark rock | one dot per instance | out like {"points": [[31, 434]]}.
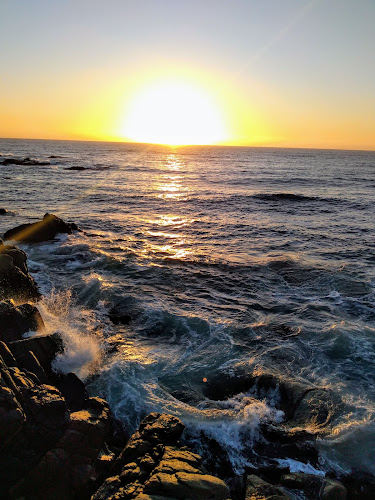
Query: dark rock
{"points": [[124, 311], [44, 230], [15, 281], [12, 416], [15, 321], [3, 211], [32, 365], [75, 168], [257, 489], [38, 416], [315, 486], [303, 405], [153, 465], [7, 356], [43, 347], [74, 391], [67, 469], [360, 485], [24, 161]]}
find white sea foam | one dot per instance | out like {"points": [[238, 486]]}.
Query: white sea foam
{"points": [[79, 330]]}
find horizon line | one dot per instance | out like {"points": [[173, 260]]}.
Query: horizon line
{"points": [[187, 145]]}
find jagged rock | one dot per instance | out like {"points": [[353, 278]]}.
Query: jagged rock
{"points": [[15, 281], [74, 391], [44, 348], [24, 161], [35, 415], [66, 470], [12, 416], [257, 489], [154, 466], [15, 321], [7, 356], [44, 230]]}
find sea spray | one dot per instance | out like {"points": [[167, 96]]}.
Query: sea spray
{"points": [[80, 332]]}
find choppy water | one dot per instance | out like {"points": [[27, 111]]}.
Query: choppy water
{"points": [[259, 259]]}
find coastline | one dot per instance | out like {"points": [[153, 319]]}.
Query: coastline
{"points": [[56, 415]]}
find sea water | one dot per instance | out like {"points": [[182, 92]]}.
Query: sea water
{"points": [[257, 260]]}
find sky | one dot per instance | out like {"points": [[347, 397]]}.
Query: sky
{"points": [[290, 73]]}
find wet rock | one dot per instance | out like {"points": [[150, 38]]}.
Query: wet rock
{"points": [[153, 465], [315, 409], [43, 347], [315, 486], [258, 489], [15, 281], [303, 405], [18, 256], [73, 390], [24, 161], [3, 211], [36, 232], [124, 311], [75, 168], [282, 442], [15, 321]]}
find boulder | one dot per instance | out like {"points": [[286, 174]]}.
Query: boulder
{"points": [[75, 168], [154, 465], [44, 348], [3, 211], [19, 256], [15, 321], [44, 230]]}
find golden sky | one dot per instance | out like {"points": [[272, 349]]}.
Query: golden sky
{"points": [[289, 74]]}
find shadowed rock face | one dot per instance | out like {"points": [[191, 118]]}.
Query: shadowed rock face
{"points": [[154, 465], [15, 321], [15, 280]]}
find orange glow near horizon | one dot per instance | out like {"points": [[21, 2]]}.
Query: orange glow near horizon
{"points": [[174, 112]]}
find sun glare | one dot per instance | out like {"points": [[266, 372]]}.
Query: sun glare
{"points": [[175, 113]]}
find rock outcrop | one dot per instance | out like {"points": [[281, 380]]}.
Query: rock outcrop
{"points": [[154, 465], [44, 230], [23, 161]]}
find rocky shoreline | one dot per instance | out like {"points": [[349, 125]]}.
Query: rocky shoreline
{"points": [[56, 442]]}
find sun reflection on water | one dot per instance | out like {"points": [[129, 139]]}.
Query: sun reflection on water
{"points": [[165, 231], [170, 182]]}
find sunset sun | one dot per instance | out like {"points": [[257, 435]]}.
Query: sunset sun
{"points": [[174, 112]]}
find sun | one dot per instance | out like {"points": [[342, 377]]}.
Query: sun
{"points": [[173, 112]]}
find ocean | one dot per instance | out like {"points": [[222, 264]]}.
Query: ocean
{"points": [[229, 261]]}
